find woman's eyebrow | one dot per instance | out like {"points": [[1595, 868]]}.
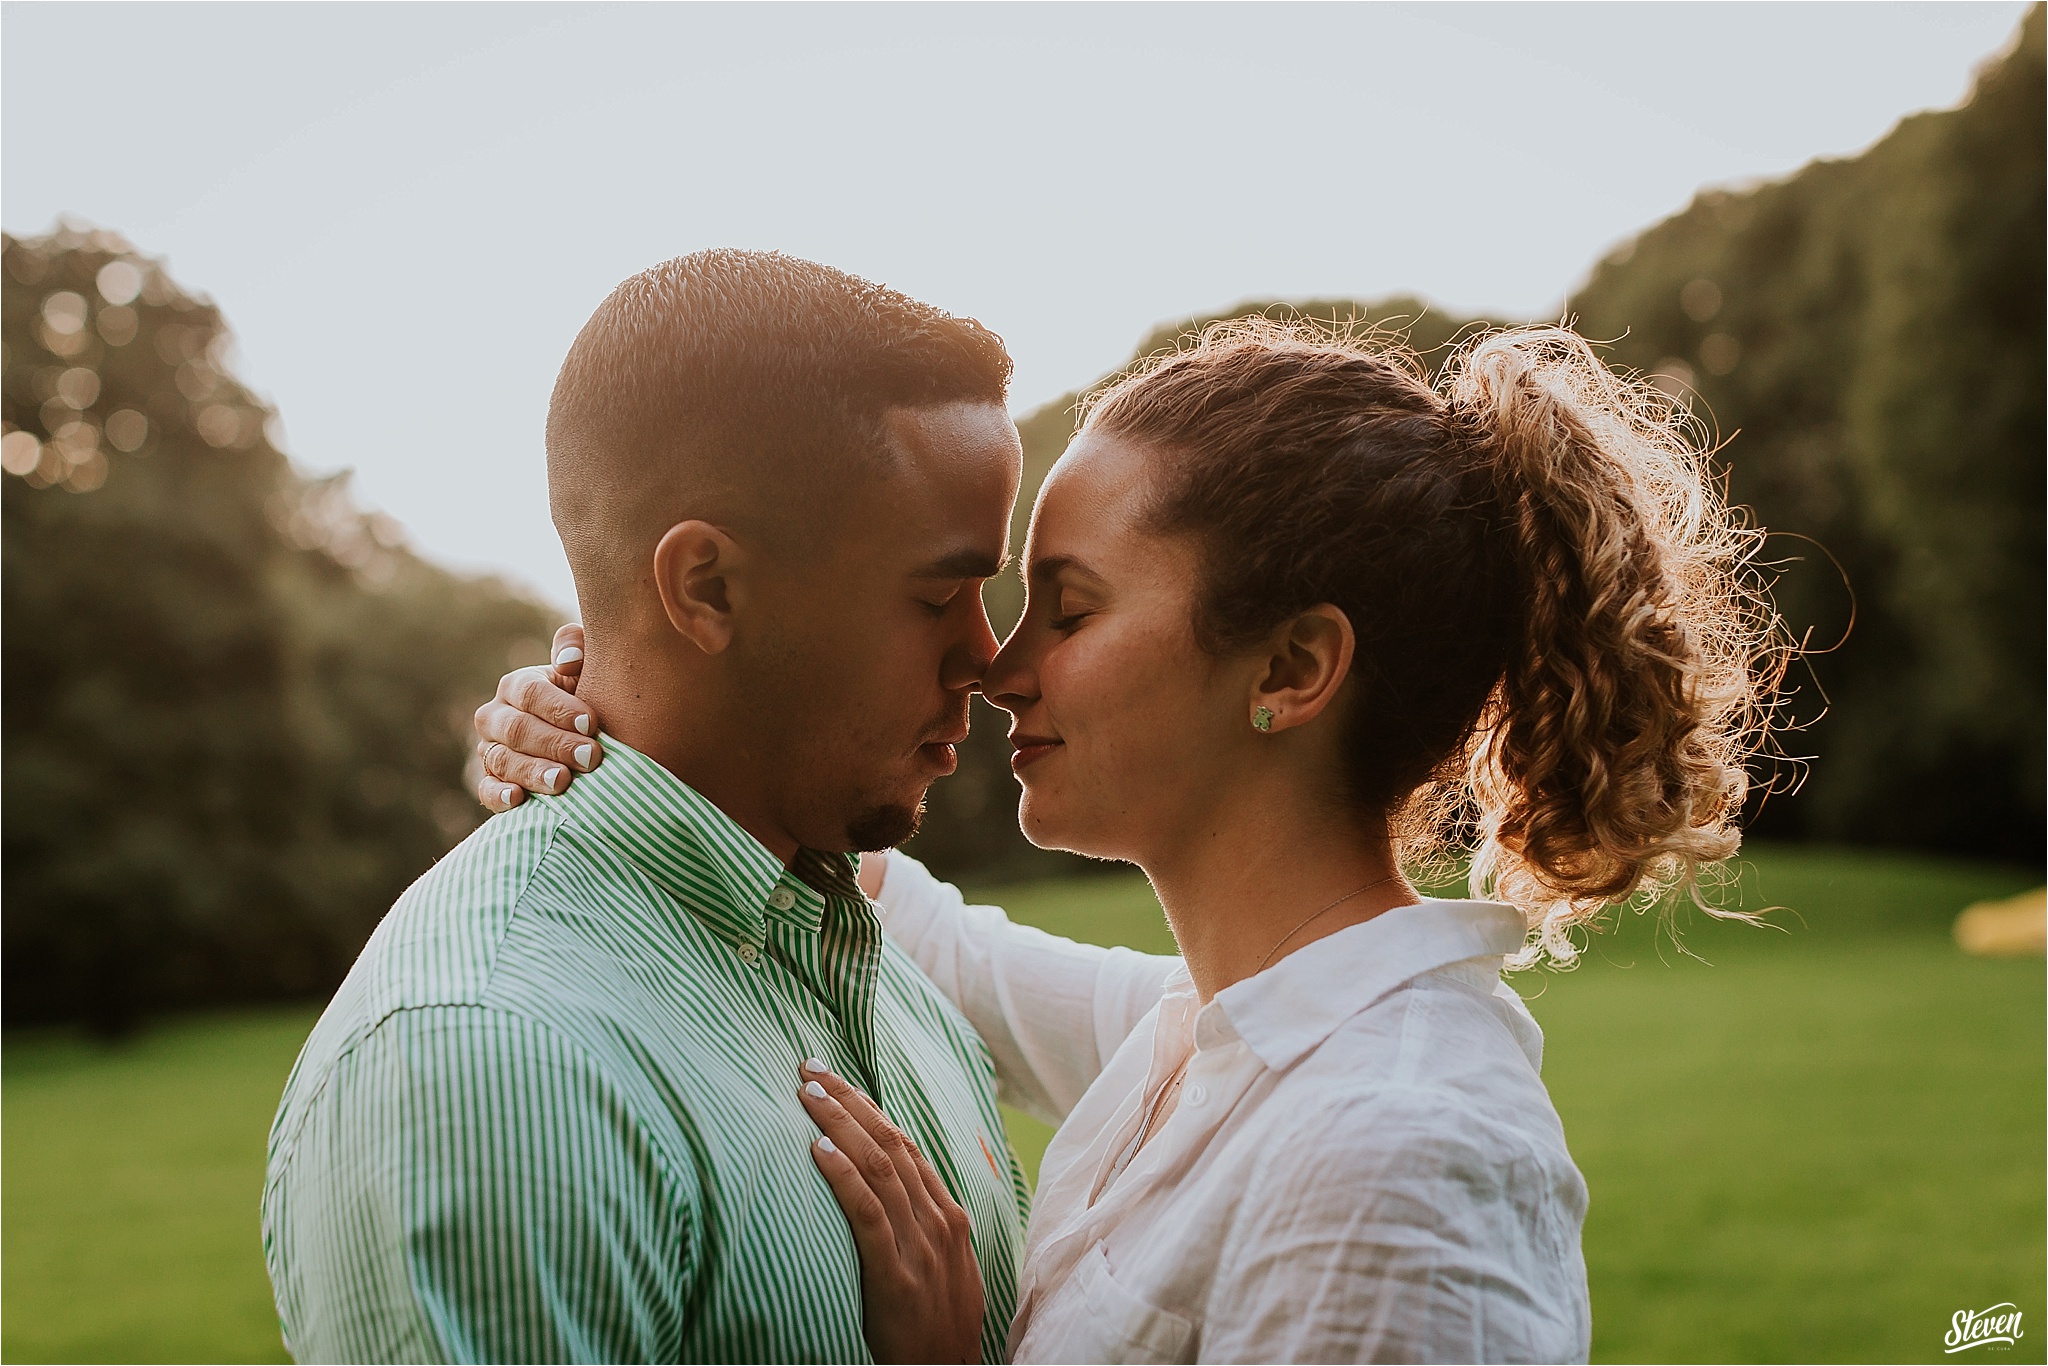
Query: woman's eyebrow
{"points": [[966, 563], [1050, 566]]}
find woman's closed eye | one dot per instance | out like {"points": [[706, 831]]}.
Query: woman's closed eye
{"points": [[1069, 611]]}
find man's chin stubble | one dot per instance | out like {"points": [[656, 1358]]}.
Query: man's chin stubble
{"points": [[885, 827]]}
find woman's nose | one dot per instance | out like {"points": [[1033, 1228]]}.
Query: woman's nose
{"points": [[1011, 679]]}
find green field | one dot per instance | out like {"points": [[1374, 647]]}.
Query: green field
{"points": [[1815, 1146]]}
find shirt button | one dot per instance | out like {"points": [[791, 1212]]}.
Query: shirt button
{"points": [[748, 953], [1197, 1093], [782, 898]]}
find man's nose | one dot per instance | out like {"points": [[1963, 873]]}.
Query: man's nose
{"points": [[971, 655]]}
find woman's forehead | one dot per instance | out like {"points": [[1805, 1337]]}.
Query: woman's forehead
{"points": [[1091, 489], [1091, 508]]}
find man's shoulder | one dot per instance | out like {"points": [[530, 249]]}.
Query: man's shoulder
{"points": [[440, 941]]}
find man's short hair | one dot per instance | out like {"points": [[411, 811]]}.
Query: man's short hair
{"points": [[743, 387]]}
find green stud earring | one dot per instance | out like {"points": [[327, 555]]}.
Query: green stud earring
{"points": [[1262, 720]]}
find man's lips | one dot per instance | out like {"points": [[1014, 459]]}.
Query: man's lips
{"points": [[1030, 749], [942, 754]]}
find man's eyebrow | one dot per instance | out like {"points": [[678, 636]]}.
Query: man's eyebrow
{"points": [[962, 564]]}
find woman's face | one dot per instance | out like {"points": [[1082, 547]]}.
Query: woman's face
{"points": [[1123, 726]]}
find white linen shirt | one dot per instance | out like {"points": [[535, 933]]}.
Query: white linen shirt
{"points": [[1363, 1164]]}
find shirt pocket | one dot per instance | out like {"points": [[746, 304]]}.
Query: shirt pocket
{"points": [[1113, 1324]]}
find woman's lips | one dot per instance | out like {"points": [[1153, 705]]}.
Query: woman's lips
{"points": [[1030, 749]]}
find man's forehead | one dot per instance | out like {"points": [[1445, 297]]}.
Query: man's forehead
{"points": [[953, 431], [951, 488]]}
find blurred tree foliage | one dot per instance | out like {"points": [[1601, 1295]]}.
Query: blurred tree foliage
{"points": [[236, 708], [1867, 338]]}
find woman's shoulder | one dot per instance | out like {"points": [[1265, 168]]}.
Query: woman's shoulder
{"points": [[1442, 1056], [1460, 1025], [1419, 1134]]}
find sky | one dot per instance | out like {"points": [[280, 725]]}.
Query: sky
{"points": [[407, 211]]}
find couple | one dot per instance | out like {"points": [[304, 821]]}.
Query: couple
{"points": [[636, 1073]]}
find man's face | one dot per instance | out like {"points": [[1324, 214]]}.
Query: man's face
{"points": [[868, 651]]}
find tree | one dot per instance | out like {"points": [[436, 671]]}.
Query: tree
{"points": [[1868, 336], [235, 713]]}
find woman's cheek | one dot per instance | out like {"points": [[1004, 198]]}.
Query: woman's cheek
{"points": [[1068, 794]]}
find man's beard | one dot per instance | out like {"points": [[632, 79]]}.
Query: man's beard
{"points": [[885, 827]]}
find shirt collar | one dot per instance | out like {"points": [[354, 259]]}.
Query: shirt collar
{"points": [[1289, 1009], [694, 851]]}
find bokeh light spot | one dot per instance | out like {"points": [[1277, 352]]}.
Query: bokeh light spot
{"points": [[118, 325], [119, 282], [1701, 300], [64, 313], [127, 429], [20, 453], [75, 443], [1673, 377], [88, 474], [196, 380], [1720, 353], [219, 425], [78, 387]]}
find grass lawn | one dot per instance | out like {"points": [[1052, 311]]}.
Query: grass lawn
{"points": [[132, 1180], [1817, 1148]]}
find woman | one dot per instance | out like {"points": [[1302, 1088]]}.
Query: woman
{"points": [[1294, 619]]}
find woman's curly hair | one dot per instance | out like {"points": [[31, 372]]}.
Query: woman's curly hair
{"points": [[1565, 656]]}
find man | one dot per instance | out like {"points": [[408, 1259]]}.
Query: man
{"points": [[553, 1112]]}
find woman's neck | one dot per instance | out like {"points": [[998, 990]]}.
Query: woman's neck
{"points": [[1268, 871]]}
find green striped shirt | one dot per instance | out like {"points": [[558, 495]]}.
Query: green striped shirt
{"points": [[552, 1113]]}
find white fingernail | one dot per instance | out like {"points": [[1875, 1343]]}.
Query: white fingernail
{"points": [[511, 795], [569, 656], [815, 1091], [583, 724], [583, 757], [815, 1065], [825, 1144], [553, 778]]}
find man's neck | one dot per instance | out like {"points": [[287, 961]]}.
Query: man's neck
{"points": [[648, 706]]}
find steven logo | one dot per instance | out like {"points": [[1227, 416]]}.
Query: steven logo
{"points": [[1982, 1327]]}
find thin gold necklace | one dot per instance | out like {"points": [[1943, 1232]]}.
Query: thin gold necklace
{"points": [[1361, 891]]}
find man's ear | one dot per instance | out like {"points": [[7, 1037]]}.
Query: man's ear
{"points": [[695, 565], [1308, 659]]}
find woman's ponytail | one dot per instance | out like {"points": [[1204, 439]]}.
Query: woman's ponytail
{"points": [[1610, 763]]}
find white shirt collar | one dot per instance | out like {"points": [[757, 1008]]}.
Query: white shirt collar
{"points": [[1291, 1007]]}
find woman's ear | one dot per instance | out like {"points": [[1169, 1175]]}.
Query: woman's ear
{"points": [[1307, 661], [695, 567]]}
